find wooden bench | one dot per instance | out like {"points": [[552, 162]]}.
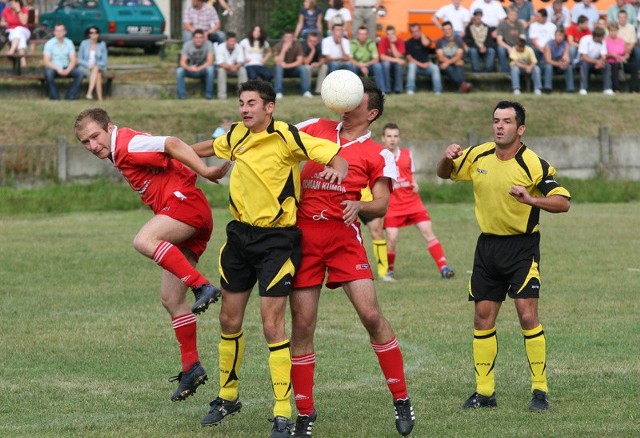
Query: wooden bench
{"points": [[107, 79], [16, 68]]}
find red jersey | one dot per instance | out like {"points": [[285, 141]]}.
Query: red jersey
{"points": [[368, 161], [141, 159], [576, 33], [403, 201]]}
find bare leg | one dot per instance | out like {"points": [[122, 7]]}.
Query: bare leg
{"points": [[99, 85]]}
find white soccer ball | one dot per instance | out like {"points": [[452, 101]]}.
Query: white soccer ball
{"points": [[342, 91]]}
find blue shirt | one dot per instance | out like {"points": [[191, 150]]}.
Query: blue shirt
{"points": [[60, 53]]}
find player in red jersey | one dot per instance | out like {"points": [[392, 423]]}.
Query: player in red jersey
{"points": [[178, 233], [332, 242], [406, 207]]}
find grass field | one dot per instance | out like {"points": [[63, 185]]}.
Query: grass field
{"points": [[86, 348]]}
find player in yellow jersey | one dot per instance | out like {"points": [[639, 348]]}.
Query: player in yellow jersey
{"points": [[376, 229], [511, 184], [263, 242]]}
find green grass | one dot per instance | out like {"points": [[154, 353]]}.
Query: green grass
{"points": [[86, 347]]}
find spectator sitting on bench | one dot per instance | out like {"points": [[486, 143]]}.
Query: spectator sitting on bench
{"points": [[524, 61], [557, 59], [288, 63], [365, 56], [15, 17], [196, 61], [419, 60], [92, 60], [60, 61], [201, 15], [314, 61], [480, 43], [449, 50], [256, 54], [229, 61]]}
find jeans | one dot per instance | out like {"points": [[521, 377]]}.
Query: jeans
{"points": [[395, 69], [341, 65], [378, 74], [259, 71], [432, 70], [295, 72], [207, 76], [503, 59], [550, 70], [535, 76], [585, 70], [489, 59], [50, 75], [456, 74]]}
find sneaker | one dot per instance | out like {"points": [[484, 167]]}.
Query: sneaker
{"points": [[583, 92], [516, 92], [608, 92], [480, 401], [279, 96], [410, 92], [447, 272], [405, 417], [307, 94], [539, 401], [437, 93], [220, 408], [188, 382], [537, 92], [390, 277], [281, 427], [205, 295], [304, 424]]}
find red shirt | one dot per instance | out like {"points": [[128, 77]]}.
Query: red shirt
{"points": [[403, 200], [384, 46], [142, 160], [11, 17], [368, 161], [576, 33]]}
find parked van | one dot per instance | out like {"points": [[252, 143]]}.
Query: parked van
{"points": [[400, 13], [127, 23]]}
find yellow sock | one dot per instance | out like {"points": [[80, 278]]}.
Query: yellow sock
{"points": [[535, 345], [231, 352], [280, 366], [485, 350], [380, 253]]}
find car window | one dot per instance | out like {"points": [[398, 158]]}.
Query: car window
{"points": [[91, 4], [132, 3], [73, 4]]}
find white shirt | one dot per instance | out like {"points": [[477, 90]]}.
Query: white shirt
{"points": [[332, 50], [566, 16], [591, 48], [224, 57], [492, 13], [542, 33], [590, 12], [253, 54], [459, 18]]}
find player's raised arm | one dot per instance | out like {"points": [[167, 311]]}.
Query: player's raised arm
{"points": [[204, 148], [187, 155], [336, 170], [445, 165]]}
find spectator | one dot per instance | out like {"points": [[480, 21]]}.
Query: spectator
{"points": [[288, 63], [525, 10], [559, 14], [314, 61], [480, 43], [229, 61], [557, 59], [15, 17], [92, 60], [588, 10], [337, 50], [419, 62], [602, 24], [365, 13], [392, 50], [575, 32], [509, 32], [196, 61], [449, 50], [223, 128], [523, 61], [622, 5], [628, 34], [60, 60], [226, 10], [309, 19], [456, 14], [617, 55], [364, 53], [201, 15], [492, 12], [593, 56], [256, 54], [541, 31], [338, 14]]}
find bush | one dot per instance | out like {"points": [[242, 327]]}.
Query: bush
{"points": [[284, 16]]}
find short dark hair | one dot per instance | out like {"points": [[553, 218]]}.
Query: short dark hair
{"points": [[582, 19], [543, 12], [231, 34], [263, 88], [390, 125], [447, 23], [197, 32], [517, 107], [598, 32], [376, 97], [98, 115]]}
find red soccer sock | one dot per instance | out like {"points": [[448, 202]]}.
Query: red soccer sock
{"points": [[170, 258], [302, 372], [437, 253], [185, 327], [391, 255], [390, 359]]}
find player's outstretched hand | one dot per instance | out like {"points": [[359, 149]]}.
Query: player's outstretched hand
{"points": [[521, 194], [332, 175], [350, 211], [214, 173], [452, 151]]}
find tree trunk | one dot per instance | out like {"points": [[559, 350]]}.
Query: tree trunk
{"points": [[235, 21]]}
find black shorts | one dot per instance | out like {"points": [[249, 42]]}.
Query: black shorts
{"points": [[505, 265], [363, 219], [269, 256]]}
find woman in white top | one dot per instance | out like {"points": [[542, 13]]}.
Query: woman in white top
{"points": [[92, 59], [338, 14], [256, 54]]}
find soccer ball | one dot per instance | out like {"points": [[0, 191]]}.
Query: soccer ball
{"points": [[342, 91]]}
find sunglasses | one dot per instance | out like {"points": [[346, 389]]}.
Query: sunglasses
{"points": [[93, 32]]}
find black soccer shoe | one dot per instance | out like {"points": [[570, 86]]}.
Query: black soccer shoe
{"points": [[304, 424], [405, 417], [220, 408], [539, 401], [188, 382], [281, 427], [205, 295], [480, 401]]}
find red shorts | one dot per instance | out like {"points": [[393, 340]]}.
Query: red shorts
{"points": [[405, 221], [191, 207], [334, 247]]}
